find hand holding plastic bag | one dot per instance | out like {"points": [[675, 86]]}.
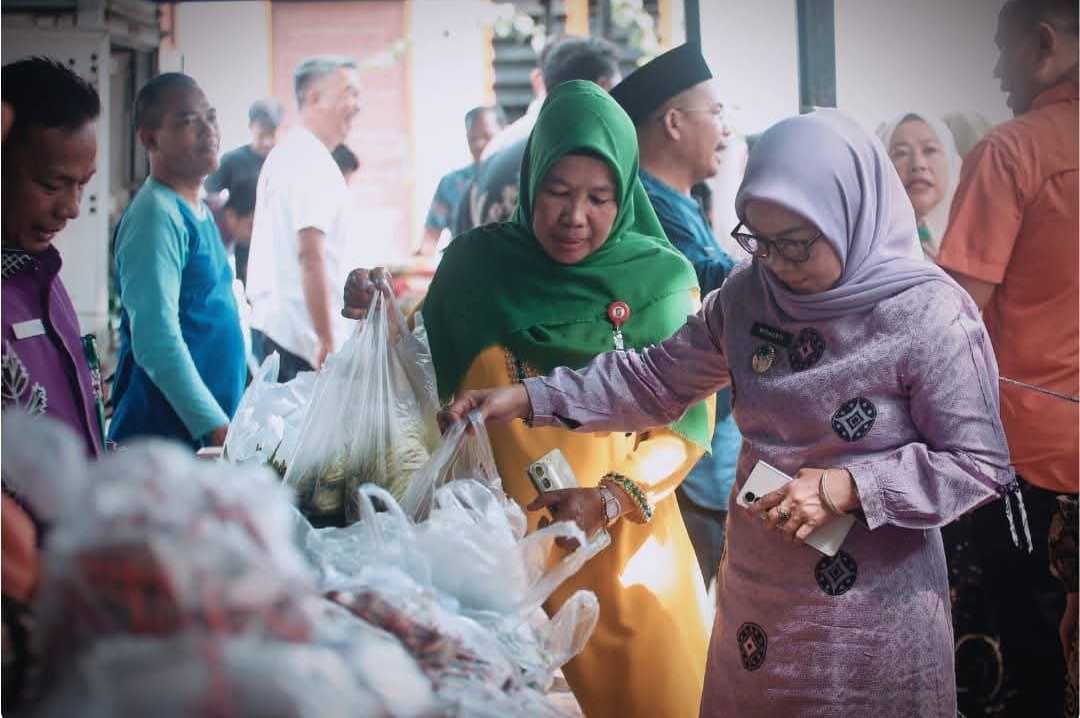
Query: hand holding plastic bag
{"points": [[372, 418], [463, 453]]}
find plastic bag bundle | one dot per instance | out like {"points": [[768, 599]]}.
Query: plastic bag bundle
{"points": [[542, 645], [377, 660], [476, 559], [445, 645], [371, 420], [465, 699], [197, 677], [44, 464], [269, 418], [165, 543], [384, 538]]}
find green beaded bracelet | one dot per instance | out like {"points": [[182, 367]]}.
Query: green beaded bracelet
{"points": [[634, 490]]}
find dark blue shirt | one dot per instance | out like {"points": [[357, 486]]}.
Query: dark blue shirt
{"points": [[709, 482]]}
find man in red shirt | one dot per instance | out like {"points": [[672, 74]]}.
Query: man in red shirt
{"points": [[1012, 242]]}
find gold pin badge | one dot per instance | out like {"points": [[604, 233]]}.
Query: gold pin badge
{"points": [[763, 359]]}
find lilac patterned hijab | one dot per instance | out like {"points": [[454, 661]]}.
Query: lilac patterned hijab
{"points": [[826, 168]]}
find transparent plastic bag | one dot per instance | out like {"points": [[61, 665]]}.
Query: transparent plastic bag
{"points": [[445, 644], [44, 464], [460, 455], [196, 677], [475, 557], [371, 420], [269, 418], [552, 642], [163, 543], [379, 538]]}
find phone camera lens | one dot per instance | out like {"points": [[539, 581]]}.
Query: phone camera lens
{"points": [[539, 470], [749, 496], [547, 483]]}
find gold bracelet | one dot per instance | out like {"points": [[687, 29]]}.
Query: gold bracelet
{"points": [[634, 490], [823, 489]]}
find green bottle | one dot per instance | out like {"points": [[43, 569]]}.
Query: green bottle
{"points": [[89, 344]]}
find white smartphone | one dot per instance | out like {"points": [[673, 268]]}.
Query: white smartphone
{"points": [[764, 478], [551, 472]]}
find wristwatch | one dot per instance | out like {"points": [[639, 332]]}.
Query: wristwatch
{"points": [[612, 509]]}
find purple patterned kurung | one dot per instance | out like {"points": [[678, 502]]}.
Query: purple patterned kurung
{"points": [[905, 397]]}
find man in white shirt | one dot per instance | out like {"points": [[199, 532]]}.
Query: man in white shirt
{"points": [[298, 243]]}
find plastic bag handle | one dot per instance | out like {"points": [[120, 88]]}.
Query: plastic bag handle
{"points": [[365, 494], [546, 583], [418, 498]]}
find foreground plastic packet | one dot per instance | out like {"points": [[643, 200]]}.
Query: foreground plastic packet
{"points": [[44, 464], [377, 660], [163, 542], [190, 676], [443, 642], [467, 699]]}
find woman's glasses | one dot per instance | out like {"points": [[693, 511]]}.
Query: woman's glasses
{"points": [[790, 249]]}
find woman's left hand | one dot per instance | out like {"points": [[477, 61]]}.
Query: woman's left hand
{"points": [[582, 506], [797, 508]]}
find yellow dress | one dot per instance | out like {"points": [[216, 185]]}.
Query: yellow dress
{"points": [[647, 655]]}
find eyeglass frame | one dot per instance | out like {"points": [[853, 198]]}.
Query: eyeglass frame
{"points": [[717, 110], [770, 244]]}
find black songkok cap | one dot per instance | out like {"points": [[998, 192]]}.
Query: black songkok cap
{"points": [[657, 81]]}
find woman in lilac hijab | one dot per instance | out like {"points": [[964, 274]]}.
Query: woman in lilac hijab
{"points": [[860, 370]]}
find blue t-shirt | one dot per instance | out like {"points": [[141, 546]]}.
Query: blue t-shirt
{"points": [[181, 367], [449, 196], [709, 482]]}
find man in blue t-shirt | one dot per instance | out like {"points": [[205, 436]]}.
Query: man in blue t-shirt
{"points": [[681, 131], [482, 124], [181, 368]]}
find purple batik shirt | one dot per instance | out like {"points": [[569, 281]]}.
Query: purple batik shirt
{"points": [[45, 369], [905, 397]]}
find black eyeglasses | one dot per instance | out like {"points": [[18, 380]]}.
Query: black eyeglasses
{"points": [[790, 249]]}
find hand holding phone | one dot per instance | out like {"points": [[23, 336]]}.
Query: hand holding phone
{"points": [[551, 471], [765, 479]]}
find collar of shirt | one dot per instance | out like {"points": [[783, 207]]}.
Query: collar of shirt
{"points": [[17, 261], [1062, 92], [658, 186]]}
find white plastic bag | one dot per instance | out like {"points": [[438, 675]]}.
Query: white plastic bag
{"points": [[196, 677], [379, 538], [163, 542], [372, 418], [269, 418], [462, 454]]}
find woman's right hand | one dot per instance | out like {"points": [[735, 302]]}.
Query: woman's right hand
{"points": [[360, 290], [496, 406]]}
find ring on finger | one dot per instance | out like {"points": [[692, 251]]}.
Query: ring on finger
{"points": [[783, 514]]}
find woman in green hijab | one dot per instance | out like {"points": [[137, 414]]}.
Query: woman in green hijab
{"points": [[581, 268]]}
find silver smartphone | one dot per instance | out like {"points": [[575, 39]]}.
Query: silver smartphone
{"points": [[551, 472], [764, 478]]}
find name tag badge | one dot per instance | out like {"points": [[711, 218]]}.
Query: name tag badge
{"points": [[771, 334], [31, 328]]}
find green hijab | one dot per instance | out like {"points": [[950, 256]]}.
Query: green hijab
{"points": [[496, 285]]}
